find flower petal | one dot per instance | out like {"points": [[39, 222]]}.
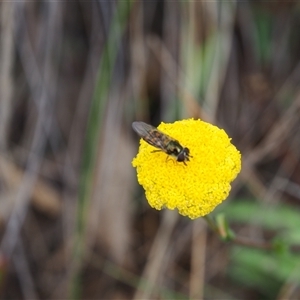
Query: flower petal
{"points": [[196, 188]]}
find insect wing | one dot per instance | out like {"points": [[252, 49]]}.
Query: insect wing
{"points": [[142, 129], [150, 134], [162, 141]]}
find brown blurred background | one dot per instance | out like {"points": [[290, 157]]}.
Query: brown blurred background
{"points": [[74, 224]]}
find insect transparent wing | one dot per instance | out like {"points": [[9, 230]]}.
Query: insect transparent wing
{"points": [[142, 129], [149, 134]]}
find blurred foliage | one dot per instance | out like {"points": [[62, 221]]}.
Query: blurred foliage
{"points": [[93, 133], [282, 217], [73, 76], [265, 270]]}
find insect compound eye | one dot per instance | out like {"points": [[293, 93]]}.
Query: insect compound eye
{"points": [[183, 155], [179, 158]]}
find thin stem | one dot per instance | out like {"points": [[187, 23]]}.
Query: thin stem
{"points": [[223, 233], [252, 243]]}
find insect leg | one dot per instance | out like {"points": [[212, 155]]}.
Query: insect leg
{"points": [[156, 151]]}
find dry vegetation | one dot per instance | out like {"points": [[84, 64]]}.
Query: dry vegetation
{"points": [[73, 76]]}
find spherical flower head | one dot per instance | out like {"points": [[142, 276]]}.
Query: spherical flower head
{"points": [[196, 188]]}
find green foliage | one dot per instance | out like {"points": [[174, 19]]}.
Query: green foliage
{"points": [[93, 132], [199, 60], [282, 218], [265, 270], [263, 37]]}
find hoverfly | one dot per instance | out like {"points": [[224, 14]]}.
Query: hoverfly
{"points": [[160, 140]]}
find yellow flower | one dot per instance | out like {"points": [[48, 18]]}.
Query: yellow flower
{"points": [[196, 188]]}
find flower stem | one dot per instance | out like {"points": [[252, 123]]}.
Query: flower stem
{"points": [[221, 228]]}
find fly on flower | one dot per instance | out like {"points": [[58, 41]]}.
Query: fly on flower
{"points": [[162, 141]]}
